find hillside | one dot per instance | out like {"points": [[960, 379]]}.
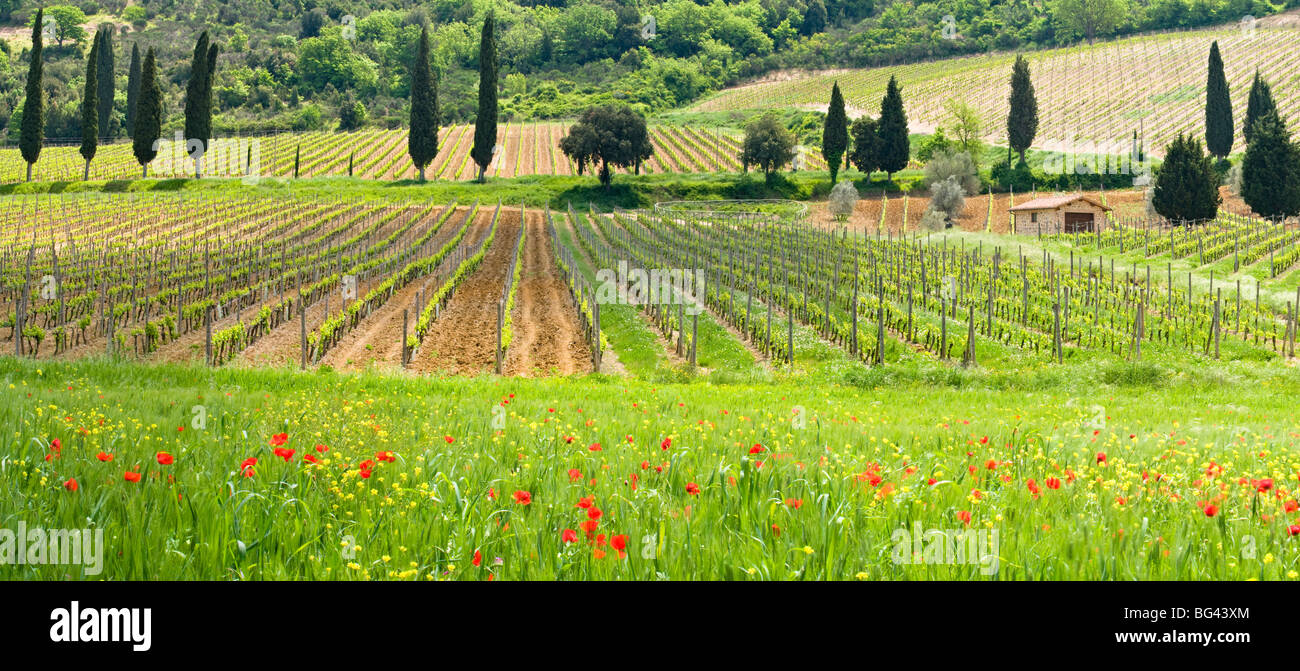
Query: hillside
{"points": [[1091, 98]]}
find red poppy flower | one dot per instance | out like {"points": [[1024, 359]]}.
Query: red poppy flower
{"points": [[1291, 506], [574, 475], [964, 516], [523, 498], [310, 459], [1101, 457], [322, 449], [449, 439], [794, 503], [594, 447], [585, 502], [692, 488], [756, 449], [1052, 483], [104, 456], [279, 439], [1293, 530], [569, 536], [132, 476], [165, 459], [667, 443], [56, 445], [70, 485], [619, 543], [478, 558], [589, 526], [1211, 510], [283, 452], [594, 513]]}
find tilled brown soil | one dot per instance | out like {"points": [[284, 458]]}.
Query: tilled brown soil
{"points": [[464, 338], [547, 332], [376, 341]]}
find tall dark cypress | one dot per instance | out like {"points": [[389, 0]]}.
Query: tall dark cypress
{"points": [[485, 123], [835, 133], [1022, 119], [105, 66], [1270, 171], [132, 89], [1218, 108], [148, 114], [198, 100], [89, 105], [422, 141], [894, 147], [33, 128], [1258, 104]]}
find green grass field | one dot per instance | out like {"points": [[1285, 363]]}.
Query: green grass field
{"points": [[1158, 470]]}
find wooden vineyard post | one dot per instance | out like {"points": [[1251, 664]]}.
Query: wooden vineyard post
{"points": [[853, 335], [880, 336], [595, 336], [695, 334], [207, 337], [681, 327], [1216, 328], [302, 330], [405, 326], [501, 324], [789, 315], [943, 327], [968, 357], [1056, 329]]}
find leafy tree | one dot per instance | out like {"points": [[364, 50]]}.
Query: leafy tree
{"points": [[311, 24], [33, 122], [967, 128], [148, 114], [352, 114], [610, 135], [89, 106], [768, 145], [835, 132], [865, 154], [423, 137], [1270, 172], [132, 88], [894, 146], [68, 21], [485, 123], [1218, 108], [104, 75], [1022, 119], [1088, 18], [198, 100], [814, 19], [954, 165], [1186, 189], [948, 197], [1258, 104]]}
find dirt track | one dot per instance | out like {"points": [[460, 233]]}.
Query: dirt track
{"points": [[463, 339], [548, 335], [377, 339]]}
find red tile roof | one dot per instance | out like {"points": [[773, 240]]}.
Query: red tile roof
{"points": [[1053, 202]]}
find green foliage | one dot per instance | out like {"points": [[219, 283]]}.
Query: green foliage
{"points": [[1088, 19], [1186, 189], [89, 103], [422, 142], [104, 64], [1258, 104], [894, 147], [485, 122], [33, 121], [768, 145], [132, 88], [198, 96], [611, 135], [1022, 119], [68, 23], [1218, 108], [866, 153], [1270, 171], [148, 112], [835, 132]]}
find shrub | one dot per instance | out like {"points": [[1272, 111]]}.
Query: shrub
{"points": [[843, 199], [957, 166]]}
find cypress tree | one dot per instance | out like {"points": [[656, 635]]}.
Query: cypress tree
{"points": [[485, 123], [1218, 108], [1270, 172], [148, 114], [105, 66], [297, 155], [198, 100], [835, 133], [1186, 188], [33, 128], [1259, 104], [894, 147], [1022, 119], [422, 141], [132, 89], [90, 107]]}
